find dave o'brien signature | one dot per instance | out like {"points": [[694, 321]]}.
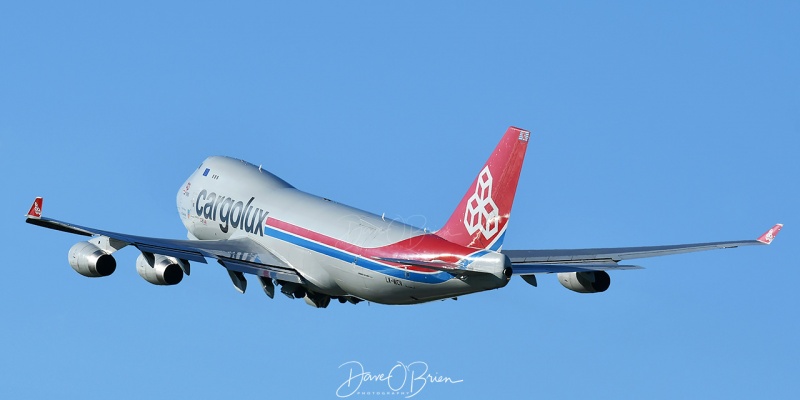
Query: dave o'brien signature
{"points": [[409, 379]]}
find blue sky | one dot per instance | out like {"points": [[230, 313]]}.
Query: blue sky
{"points": [[651, 124]]}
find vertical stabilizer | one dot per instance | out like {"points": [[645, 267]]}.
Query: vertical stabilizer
{"points": [[481, 217]]}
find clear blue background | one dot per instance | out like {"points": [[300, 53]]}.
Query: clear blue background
{"points": [[652, 124]]}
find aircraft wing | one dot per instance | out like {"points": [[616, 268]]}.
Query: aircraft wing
{"points": [[239, 255], [575, 260]]}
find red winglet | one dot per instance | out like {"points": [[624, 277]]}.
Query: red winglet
{"points": [[36, 209], [770, 235]]}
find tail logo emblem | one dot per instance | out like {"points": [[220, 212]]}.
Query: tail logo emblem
{"points": [[481, 214]]}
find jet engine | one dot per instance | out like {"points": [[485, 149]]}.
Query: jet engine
{"points": [[317, 300], [585, 281], [89, 260], [161, 270]]}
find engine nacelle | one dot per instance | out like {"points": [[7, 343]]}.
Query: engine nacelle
{"points": [[161, 270], [585, 281], [89, 260], [317, 300]]}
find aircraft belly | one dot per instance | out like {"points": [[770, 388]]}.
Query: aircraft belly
{"points": [[335, 276], [390, 289], [315, 270]]}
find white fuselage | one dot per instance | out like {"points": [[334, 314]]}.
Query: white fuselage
{"points": [[334, 247]]}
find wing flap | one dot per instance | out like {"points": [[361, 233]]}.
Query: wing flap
{"points": [[265, 271], [182, 253], [57, 225]]}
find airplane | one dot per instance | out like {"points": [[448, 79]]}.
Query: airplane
{"points": [[253, 222]]}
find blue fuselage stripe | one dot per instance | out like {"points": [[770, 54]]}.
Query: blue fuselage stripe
{"points": [[341, 255], [498, 242]]}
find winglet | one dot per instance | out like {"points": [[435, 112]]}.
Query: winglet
{"points": [[36, 209], [770, 235]]}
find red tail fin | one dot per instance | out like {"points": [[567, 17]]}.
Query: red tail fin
{"points": [[480, 219]]}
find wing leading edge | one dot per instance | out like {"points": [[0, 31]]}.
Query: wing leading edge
{"points": [[239, 255], [600, 259]]}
